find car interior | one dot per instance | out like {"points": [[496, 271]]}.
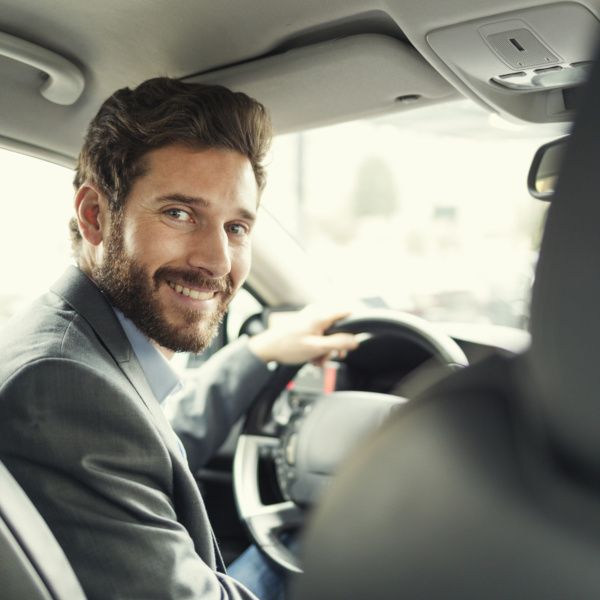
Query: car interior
{"points": [[505, 502], [507, 492], [447, 496]]}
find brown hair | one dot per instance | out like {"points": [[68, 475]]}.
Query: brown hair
{"points": [[159, 112]]}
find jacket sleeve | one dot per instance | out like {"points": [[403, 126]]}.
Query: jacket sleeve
{"points": [[95, 466], [214, 398]]}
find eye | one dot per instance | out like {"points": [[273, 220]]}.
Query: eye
{"points": [[178, 214], [238, 229]]}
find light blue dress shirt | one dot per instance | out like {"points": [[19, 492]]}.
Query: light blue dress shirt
{"points": [[162, 378], [160, 375]]}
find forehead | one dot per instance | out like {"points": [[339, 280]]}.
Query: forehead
{"points": [[193, 162], [179, 169]]}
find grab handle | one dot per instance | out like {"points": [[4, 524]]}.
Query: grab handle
{"points": [[65, 81]]}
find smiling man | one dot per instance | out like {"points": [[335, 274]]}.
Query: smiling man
{"points": [[168, 237], [168, 184], [182, 243]]}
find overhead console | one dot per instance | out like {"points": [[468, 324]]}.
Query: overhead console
{"points": [[526, 63]]}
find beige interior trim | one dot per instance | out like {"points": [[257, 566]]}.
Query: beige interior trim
{"points": [[64, 81], [37, 152]]}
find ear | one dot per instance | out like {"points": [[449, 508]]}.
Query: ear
{"points": [[91, 210]]}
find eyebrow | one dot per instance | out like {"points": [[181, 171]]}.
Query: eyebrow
{"points": [[199, 202]]}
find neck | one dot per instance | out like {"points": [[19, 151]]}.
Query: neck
{"points": [[168, 354]]}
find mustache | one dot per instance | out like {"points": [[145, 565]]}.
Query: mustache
{"points": [[194, 279]]}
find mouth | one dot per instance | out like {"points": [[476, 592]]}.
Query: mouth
{"points": [[194, 294]]}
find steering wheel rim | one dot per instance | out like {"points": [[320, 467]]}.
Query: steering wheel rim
{"points": [[265, 521]]}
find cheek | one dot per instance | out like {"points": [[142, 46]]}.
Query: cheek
{"points": [[240, 265], [149, 246]]}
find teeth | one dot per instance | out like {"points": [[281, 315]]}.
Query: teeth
{"points": [[194, 294], [201, 295]]}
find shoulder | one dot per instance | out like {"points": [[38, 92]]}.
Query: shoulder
{"points": [[64, 411], [48, 329], [71, 395], [51, 361]]}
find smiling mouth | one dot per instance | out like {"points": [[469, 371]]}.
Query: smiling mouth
{"points": [[194, 294]]}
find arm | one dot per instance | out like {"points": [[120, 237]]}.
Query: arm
{"points": [[87, 453], [217, 395]]}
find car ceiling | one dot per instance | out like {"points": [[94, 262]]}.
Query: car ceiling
{"points": [[253, 46]]}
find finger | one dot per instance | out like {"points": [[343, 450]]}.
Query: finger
{"points": [[336, 341], [336, 355]]}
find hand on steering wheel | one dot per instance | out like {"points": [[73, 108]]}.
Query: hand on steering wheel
{"points": [[319, 432]]}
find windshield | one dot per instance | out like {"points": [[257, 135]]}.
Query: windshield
{"points": [[426, 211]]}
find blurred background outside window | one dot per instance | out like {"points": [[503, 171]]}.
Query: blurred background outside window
{"points": [[426, 211]]}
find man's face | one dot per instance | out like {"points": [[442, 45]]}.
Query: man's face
{"points": [[181, 249]]}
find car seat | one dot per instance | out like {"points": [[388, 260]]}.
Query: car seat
{"points": [[32, 564]]}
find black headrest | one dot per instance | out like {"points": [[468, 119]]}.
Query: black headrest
{"points": [[565, 317]]}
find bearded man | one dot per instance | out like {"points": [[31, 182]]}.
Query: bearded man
{"points": [[167, 188]]}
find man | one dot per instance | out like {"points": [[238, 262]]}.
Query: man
{"points": [[168, 182]]}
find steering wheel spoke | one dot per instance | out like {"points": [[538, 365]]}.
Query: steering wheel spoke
{"points": [[264, 521], [277, 516], [268, 523]]}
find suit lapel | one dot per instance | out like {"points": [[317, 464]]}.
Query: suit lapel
{"points": [[81, 293]]}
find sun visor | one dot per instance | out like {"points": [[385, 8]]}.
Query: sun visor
{"points": [[338, 80]]}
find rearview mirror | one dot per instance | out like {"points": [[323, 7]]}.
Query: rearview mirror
{"points": [[543, 173]]}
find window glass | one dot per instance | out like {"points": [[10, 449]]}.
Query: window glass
{"points": [[426, 211], [34, 234], [241, 307]]}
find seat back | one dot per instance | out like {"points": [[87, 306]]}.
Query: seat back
{"points": [[488, 485], [32, 564]]}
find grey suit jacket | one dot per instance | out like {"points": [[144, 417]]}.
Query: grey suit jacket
{"points": [[214, 397], [82, 433]]}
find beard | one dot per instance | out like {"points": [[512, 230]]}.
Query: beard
{"points": [[134, 291]]}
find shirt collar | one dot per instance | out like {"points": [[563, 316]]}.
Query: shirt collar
{"points": [[161, 377]]}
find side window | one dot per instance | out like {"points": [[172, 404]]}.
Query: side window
{"points": [[34, 238], [243, 306]]}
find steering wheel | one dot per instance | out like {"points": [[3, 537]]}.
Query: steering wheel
{"points": [[313, 431]]}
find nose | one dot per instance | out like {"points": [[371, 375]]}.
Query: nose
{"points": [[210, 252]]}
